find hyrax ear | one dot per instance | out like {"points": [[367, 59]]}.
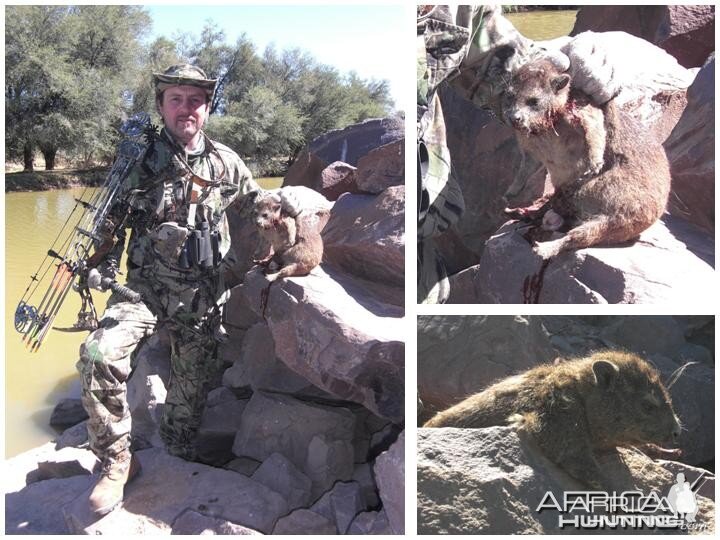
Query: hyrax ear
{"points": [[560, 82], [605, 373]]}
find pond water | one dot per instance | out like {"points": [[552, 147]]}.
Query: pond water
{"points": [[542, 25], [35, 382]]}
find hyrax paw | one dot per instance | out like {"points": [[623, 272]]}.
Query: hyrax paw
{"points": [[546, 250]]}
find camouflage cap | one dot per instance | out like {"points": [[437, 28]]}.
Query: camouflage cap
{"points": [[184, 74]]}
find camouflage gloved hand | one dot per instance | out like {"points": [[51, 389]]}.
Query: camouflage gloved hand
{"points": [[291, 204]]}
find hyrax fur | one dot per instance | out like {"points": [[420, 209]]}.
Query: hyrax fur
{"points": [[606, 400], [611, 178], [291, 245]]}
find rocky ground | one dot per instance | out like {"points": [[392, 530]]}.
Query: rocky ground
{"points": [[304, 432], [672, 95], [489, 480]]}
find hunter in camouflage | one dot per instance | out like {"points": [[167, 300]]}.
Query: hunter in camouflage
{"points": [[178, 191]]}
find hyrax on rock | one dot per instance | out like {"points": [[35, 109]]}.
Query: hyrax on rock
{"points": [[291, 245], [573, 408], [611, 177]]}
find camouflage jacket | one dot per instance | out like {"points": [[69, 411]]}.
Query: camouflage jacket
{"points": [[159, 190], [458, 46]]}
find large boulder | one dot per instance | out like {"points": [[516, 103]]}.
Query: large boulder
{"points": [[490, 481], [332, 332], [486, 158], [382, 168], [316, 440], [390, 475], [458, 356], [691, 151], [166, 488], [365, 236], [685, 32], [347, 145], [671, 262]]}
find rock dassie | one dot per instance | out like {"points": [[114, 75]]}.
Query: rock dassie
{"points": [[289, 245], [606, 400], [611, 177]]}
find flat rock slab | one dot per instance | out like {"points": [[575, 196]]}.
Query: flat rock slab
{"points": [[168, 486], [668, 263]]}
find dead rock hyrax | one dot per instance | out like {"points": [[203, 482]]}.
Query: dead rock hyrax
{"points": [[611, 176], [573, 408], [289, 245]]}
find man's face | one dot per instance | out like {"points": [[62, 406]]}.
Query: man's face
{"points": [[184, 110]]}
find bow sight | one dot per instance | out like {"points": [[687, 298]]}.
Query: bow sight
{"points": [[70, 251]]}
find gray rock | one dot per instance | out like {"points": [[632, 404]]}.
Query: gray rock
{"points": [[363, 475], [67, 413], [667, 264], [329, 331], [390, 477], [280, 475], [191, 522], [64, 464], [168, 486], [382, 167], [458, 356], [490, 481], [645, 335], [219, 395], [217, 430], [258, 367], [341, 504], [243, 465], [302, 521], [75, 436], [317, 440], [370, 523], [365, 236], [146, 389]]}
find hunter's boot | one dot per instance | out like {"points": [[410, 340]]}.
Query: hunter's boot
{"points": [[108, 491]]}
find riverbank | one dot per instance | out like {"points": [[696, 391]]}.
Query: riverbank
{"points": [[57, 179], [70, 178]]}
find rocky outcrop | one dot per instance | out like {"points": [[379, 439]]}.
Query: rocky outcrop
{"points": [[458, 356], [491, 481], [691, 151], [671, 261], [348, 145], [685, 32], [310, 407]]}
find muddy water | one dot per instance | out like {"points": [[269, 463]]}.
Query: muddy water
{"points": [[34, 382], [542, 25]]}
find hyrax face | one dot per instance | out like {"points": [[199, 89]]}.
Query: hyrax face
{"points": [[629, 404], [266, 211], [535, 93]]}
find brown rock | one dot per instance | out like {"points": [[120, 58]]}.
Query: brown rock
{"points": [[458, 356], [685, 32], [382, 168], [691, 151], [347, 145], [338, 178], [365, 236]]}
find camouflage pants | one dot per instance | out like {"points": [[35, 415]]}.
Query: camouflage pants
{"points": [[106, 362]]}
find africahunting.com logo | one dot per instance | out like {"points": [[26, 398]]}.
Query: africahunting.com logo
{"points": [[629, 509]]}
